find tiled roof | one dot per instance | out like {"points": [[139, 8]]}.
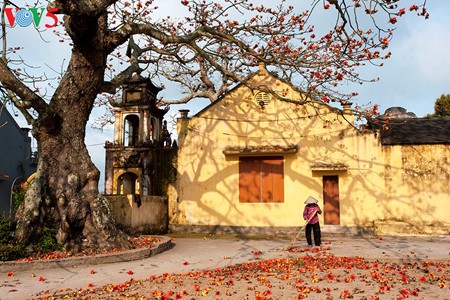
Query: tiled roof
{"points": [[416, 131]]}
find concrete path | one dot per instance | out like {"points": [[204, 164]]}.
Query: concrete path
{"points": [[188, 254]]}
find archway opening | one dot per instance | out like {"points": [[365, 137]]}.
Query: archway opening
{"points": [[128, 183], [131, 130]]}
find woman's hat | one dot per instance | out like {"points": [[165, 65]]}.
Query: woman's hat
{"points": [[311, 200]]}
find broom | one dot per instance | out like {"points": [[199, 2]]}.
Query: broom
{"points": [[291, 244]]}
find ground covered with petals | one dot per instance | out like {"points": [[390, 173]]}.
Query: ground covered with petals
{"points": [[136, 242], [311, 275]]}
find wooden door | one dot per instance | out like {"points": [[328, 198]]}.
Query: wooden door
{"points": [[331, 200]]}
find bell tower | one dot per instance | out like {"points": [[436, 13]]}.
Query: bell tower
{"points": [[139, 135]]}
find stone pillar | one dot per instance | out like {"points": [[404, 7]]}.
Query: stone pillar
{"points": [[347, 107], [145, 126], [182, 125], [117, 128], [109, 170], [347, 111]]}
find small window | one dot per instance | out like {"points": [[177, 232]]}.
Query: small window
{"points": [[261, 179], [262, 99]]}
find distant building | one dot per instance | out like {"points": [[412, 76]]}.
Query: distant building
{"points": [[139, 160], [404, 128], [17, 161], [133, 157]]}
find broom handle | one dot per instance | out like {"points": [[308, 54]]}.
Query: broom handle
{"points": [[306, 223], [312, 216]]}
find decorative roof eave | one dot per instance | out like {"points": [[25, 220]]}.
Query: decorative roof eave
{"points": [[325, 166], [260, 150]]}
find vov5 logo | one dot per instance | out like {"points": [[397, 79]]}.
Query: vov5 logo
{"points": [[25, 16]]}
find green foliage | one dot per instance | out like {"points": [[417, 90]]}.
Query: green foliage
{"points": [[19, 195], [46, 242], [13, 251], [442, 106], [9, 248], [5, 230]]}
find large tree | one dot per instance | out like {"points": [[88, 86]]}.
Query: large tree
{"points": [[442, 106], [215, 45]]}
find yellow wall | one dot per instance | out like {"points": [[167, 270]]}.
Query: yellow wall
{"points": [[381, 183]]}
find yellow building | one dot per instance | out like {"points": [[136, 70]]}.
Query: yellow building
{"points": [[249, 160]]}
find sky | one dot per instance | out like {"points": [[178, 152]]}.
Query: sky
{"points": [[414, 77]]}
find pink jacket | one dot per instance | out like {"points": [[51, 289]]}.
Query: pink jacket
{"points": [[309, 210]]}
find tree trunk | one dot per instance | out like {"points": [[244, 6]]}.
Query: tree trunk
{"points": [[65, 189]]}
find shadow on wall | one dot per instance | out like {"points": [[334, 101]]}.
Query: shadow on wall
{"points": [[376, 186]]}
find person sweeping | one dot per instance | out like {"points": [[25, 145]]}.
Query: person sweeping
{"points": [[311, 223], [310, 213]]}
